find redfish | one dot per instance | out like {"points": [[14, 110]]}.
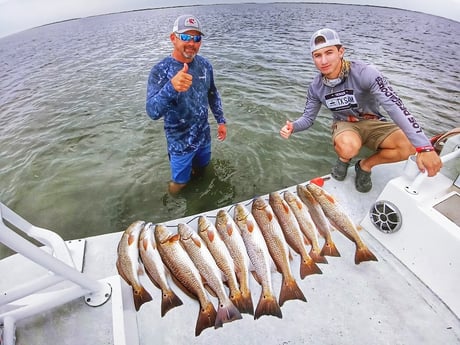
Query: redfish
{"points": [[186, 274], [342, 222], [155, 268], [128, 264], [231, 236], [293, 234], [278, 249], [204, 262], [319, 218], [260, 259], [221, 255], [306, 224]]}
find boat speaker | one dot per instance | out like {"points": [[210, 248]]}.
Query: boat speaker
{"points": [[385, 216]]}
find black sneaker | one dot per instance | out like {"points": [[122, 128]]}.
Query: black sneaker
{"points": [[363, 182], [339, 170]]}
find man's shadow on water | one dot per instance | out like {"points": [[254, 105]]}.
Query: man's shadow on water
{"points": [[207, 191]]}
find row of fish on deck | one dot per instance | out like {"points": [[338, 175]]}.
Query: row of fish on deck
{"points": [[229, 249]]}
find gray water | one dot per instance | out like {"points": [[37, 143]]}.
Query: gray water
{"points": [[80, 156]]}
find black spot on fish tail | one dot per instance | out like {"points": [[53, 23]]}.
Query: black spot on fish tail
{"points": [[290, 291], [206, 318], [169, 300], [268, 305]]}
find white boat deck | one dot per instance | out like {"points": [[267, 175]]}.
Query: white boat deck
{"points": [[371, 303]]}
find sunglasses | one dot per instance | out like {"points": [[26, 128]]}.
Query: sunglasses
{"points": [[188, 38]]}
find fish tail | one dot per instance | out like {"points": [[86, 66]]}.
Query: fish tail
{"points": [[329, 249], [317, 257], [308, 266], [226, 312], [169, 300], [290, 291], [364, 254], [242, 303], [268, 305], [206, 318], [141, 296], [247, 302]]}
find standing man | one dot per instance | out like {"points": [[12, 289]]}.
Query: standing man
{"points": [[180, 89], [354, 91]]}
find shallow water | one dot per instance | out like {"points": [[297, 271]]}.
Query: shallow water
{"points": [[80, 156]]}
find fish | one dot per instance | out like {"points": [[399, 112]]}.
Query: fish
{"points": [[306, 224], [260, 258], [293, 234], [223, 259], [206, 265], [319, 218], [278, 249], [186, 274], [231, 236], [128, 264], [333, 210], [155, 268]]}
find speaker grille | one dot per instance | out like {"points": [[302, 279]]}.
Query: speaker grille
{"points": [[385, 216]]}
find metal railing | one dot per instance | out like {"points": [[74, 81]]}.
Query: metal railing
{"points": [[31, 298]]}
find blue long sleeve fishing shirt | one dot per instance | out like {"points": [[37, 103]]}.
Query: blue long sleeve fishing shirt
{"points": [[185, 114], [357, 98]]}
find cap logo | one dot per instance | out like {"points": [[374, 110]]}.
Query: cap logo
{"points": [[190, 21]]}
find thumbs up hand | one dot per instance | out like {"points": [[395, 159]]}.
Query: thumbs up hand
{"points": [[286, 130], [182, 80]]}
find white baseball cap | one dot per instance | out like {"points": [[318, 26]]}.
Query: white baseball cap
{"points": [[330, 38], [187, 22]]}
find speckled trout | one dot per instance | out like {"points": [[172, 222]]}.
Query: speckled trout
{"points": [[128, 264], [155, 268], [342, 222], [319, 218], [278, 249], [293, 234], [221, 255], [203, 260], [306, 224], [186, 274], [231, 236], [260, 259]]}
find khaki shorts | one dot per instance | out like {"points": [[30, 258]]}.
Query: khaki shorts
{"points": [[372, 132]]}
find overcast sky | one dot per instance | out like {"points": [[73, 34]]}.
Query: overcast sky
{"points": [[19, 15]]}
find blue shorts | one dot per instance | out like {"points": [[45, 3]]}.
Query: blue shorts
{"points": [[181, 166]]}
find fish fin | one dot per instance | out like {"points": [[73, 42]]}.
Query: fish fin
{"points": [[229, 229], [286, 207], [173, 238], [206, 318], [268, 305], [210, 234], [308, 266], [226, 312], [359, 227], [329, 249], [290, 291], [244, 303], [317, 257], [364, 254], [131, 239], [169, 300], [141, 296], [250, 225], [269, 214]]}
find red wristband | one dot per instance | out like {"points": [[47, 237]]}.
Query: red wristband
{"points": [[424, 149]]}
